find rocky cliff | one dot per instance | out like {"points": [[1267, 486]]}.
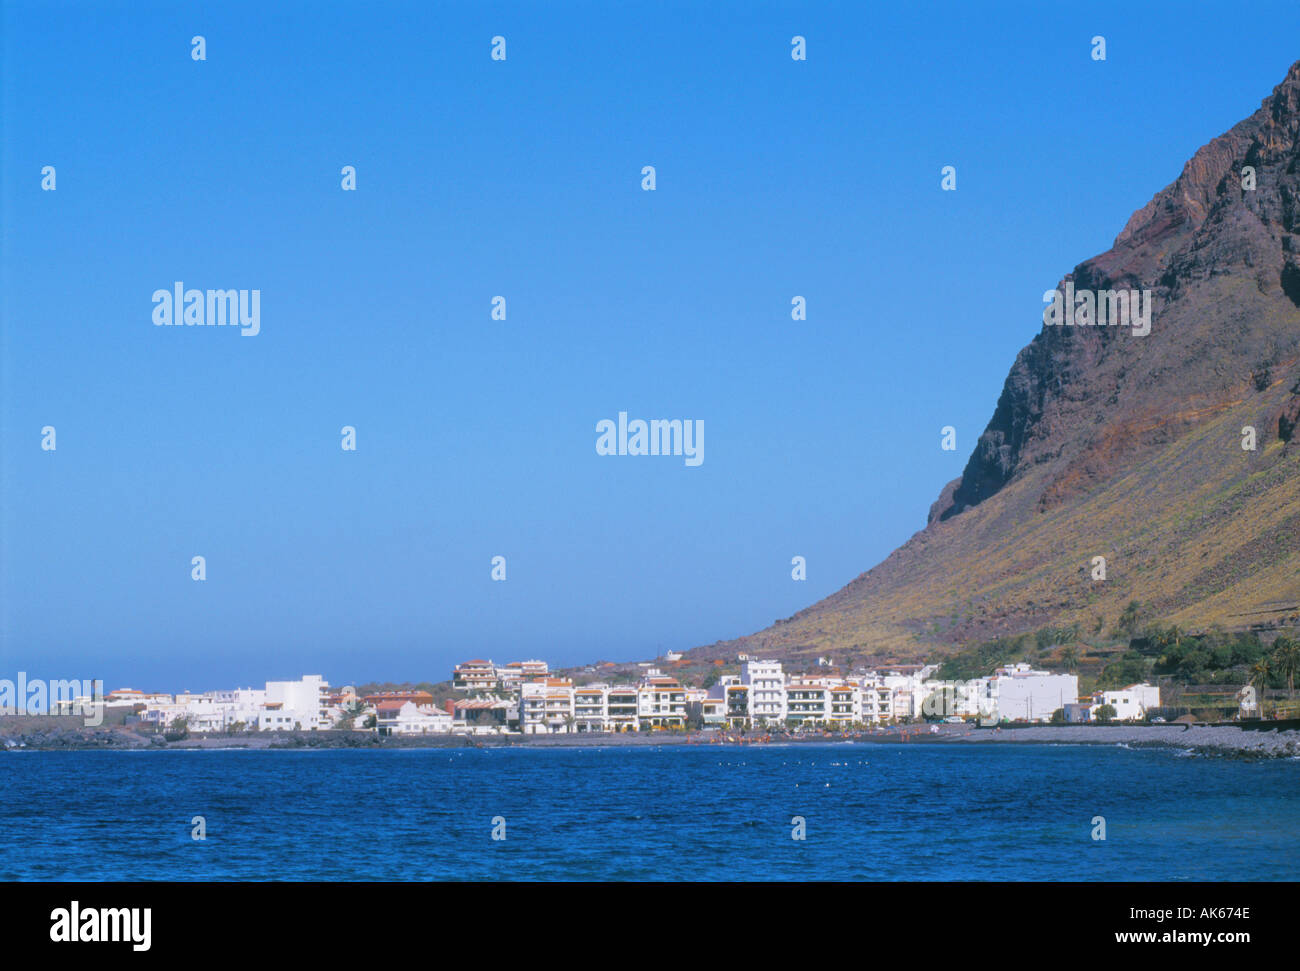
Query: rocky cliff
{"points": [[1104, 443]]}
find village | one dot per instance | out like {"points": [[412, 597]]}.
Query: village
{"points": [[526, 698]]}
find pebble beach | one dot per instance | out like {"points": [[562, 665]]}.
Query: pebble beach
{"points": [[22, 733]]}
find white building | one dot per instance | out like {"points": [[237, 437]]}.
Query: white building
{"points": [[876, 699], [622, 708], [510, 677], [907, 692], [475, 675], [408, 718], [807, 702], [302, 705], [591, 708], [661, 703], [1023, 694], [129, 697], [1133, 702], [964, 699], [735, 698], [546, 707], [282, 705], [706, 707], [766, 682], [846, 705]]}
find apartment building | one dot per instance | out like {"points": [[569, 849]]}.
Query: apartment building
{"points": [[510, 677], [546, 707], [591, 708], [306, 701], [622, 708], [807, 702], [906, 684], [736, 704], [712, 712], [846, 704], [661, 703], [475, 675], [876, 700], [766, 683]]}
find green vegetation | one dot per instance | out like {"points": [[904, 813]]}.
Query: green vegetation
{"points": [[1156, 652], [1215, 657], [983, 659], [1286, 661], [1130, 619], [377, 687], [1130, 669]]}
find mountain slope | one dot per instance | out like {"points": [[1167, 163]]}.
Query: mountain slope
{"points": [[1107, 444]]}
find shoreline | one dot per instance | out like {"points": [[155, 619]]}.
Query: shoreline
{"points": [[22, 734]]}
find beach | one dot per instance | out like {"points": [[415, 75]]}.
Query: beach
{"points": [[46, 733]]}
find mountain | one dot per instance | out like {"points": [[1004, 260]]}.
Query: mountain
{"points": [[1128, 447]]}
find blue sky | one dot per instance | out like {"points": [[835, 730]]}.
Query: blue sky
{"points": [[521, 178]]}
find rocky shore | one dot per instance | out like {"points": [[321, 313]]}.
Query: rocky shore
{"points": [[1201, 739], [23, 733]]}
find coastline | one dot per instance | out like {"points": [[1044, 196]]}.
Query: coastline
{"points": [[45, 734]]}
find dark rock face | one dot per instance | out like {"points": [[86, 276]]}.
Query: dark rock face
{"points": [[1290, 282], [1129, 447], [944, 502], [1205, 225], [1290, 416]]}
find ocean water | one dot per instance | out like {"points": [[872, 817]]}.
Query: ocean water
{"points": [[871, 812]]}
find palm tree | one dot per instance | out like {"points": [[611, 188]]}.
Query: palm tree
{"points": [[1286, 660], [1070, 658], [1129, 618], [1260, 675]]}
